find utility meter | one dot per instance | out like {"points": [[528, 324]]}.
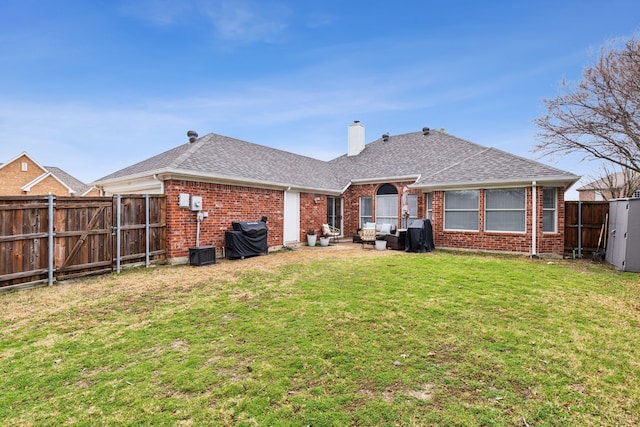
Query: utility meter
{"points": [[196, 203]]}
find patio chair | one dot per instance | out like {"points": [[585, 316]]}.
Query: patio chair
{"points": [[368, 236], [331, 231]]}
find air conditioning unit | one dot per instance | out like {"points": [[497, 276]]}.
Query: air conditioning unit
{"points": [[202, 255]]}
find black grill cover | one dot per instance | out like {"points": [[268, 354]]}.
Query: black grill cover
{"points": [[419, 236], [246, 239], [251, 229]]}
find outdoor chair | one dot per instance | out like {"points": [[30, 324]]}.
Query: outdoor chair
{"points": [[331, 231], [368, 236]]}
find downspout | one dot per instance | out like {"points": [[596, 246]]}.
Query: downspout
{"points": [[155, 177], [534, 220]]}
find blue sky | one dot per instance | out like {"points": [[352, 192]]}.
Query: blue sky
{"points": [[94, 86]]}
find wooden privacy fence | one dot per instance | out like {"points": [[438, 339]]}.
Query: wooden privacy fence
{"points": [[46, 238], [582, 224]]}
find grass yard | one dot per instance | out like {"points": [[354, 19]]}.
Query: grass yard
{"points": [[328, 337]]}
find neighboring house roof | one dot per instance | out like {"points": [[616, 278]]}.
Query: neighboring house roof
{"points": [[615, 180], [77, 187], [27, 187], [432, 161]]}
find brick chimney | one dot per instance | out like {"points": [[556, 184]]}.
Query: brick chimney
{"points": [[355, 138]]}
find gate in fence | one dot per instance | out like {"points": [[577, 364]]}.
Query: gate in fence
{"points": [[584, 224], [47, 238]]}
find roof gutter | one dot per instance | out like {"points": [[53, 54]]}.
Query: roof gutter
{"points": [[377, 180], [168, 173], [550, 181]]}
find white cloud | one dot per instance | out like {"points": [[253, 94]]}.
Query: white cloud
{"points": [[245, 20]]}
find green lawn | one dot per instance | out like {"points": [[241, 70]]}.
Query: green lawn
{"points": [[401, 339]]}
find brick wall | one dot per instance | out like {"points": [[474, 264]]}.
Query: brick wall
{"points": [[12, 177], [224, 203], [352, 204], [313, 213], [49, 185], [501, 241], [227, 203]]}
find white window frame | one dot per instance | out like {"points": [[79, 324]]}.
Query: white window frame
{"points": [[553, 209], [429, 202], [370, 216], [488, 211], [457, 210]]}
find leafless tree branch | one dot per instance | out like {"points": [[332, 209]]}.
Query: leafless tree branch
{"points": [[600, 115]]}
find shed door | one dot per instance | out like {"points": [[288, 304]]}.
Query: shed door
{"points": [[291, 217]]}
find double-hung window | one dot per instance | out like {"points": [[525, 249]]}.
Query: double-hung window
{"points": [[430, 206], [549, 210], [366, 211], [505, 210], [461, 210]]}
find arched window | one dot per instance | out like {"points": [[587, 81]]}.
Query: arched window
{"points": [[387, 205]]}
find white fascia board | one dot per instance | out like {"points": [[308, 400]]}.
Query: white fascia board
{"points": [[146, 185], [380, 180], [558, 181], [178, 174]]}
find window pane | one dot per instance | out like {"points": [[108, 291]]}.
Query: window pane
{"points": [[413, 205], [505, 199], [505, 221], [467, 199], [549, 221], [461, 220], [549, 197], [430, 206], [387, 209], [365, 210], [386, 206]]}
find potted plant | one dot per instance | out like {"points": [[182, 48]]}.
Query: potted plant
{"points": [[324, 240], [311, 237]]}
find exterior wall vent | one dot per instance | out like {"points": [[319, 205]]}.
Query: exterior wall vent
{"points": [[193, 135]]}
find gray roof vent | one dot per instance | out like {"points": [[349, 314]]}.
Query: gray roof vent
{"points": [[193, 135], [425, 131], [385, 137]]}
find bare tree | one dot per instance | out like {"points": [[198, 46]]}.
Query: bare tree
{"points": [[614, 184], [600, 115]]}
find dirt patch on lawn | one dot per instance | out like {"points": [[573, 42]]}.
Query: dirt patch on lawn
{"points": [[154, 281]]}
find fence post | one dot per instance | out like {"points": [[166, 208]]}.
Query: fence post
{"points": [[118, 214], [579, 229], [51, 241], [146, 230]]}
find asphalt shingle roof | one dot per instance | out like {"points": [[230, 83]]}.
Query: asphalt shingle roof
{"points": [[225, 157], [75, 184], [437, 158]]}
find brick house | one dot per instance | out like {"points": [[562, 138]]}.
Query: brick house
{"points": [[477, 197], [22, 175]]}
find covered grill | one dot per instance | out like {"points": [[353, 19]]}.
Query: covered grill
{"points": [[247, 239], [419, 236]]}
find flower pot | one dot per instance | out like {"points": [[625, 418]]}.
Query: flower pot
{"points": [[311, 239], [324, 241], [381, 245]]}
